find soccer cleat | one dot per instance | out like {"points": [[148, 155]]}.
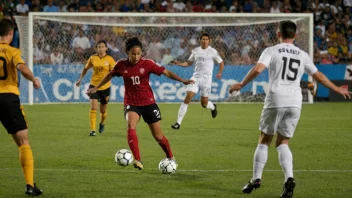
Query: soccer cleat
{"points": [[214, 112], [33, 191], [173, 158], [288, 188], [92, 133], [251, 185], [138, 164], [176, 126], [101, 128]]}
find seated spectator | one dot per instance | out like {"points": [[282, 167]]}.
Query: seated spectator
{"points": [[275, 8], [50, 7], [22, 8], [56, 57], [62, 6], [167, 57], [80, 44], [333, 50], [325, 58]]}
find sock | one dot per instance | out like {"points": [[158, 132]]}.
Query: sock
{"points": [[259, 161], [164, 144], [285, 159], [182, 112], [103, 117], [27, 163], [93, 119], [133, 143], [210, 105]]}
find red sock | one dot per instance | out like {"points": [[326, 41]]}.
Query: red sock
{"points": [[166, 147], [132, 140]]}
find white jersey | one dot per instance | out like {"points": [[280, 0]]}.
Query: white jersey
{"points": [[287, 64], [204, 61]]}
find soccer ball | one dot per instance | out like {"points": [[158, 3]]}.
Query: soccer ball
{"points": [[167, 166], [123, 157]]}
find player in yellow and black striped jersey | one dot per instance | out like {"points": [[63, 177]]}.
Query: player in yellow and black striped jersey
{"points": [[102, 64], [11, 112]]}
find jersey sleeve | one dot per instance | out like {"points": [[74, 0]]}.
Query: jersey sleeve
{"points": [[17, 59], [111, 64], [309, 67], [89, 63], [217, 57], [115, 69], [265, 57], [192, 57], [155, 68]]}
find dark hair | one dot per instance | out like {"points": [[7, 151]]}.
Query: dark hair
{"points": [[287, 29], [101, 41], [131, 42], [6, 25], [204, 34]]}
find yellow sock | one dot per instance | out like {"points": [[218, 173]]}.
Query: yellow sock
{"points": [[93, 119], [103, 117], [27, 163]]}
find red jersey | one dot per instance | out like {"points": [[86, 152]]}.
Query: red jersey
{"points": [[136, 78]]}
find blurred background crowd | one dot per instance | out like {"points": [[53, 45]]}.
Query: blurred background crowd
{"points": [[332, 29]]}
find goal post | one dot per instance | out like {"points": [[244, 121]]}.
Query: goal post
{"points": [[239, 38]]}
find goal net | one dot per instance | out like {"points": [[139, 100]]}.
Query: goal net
{"points": [[56, 47]]}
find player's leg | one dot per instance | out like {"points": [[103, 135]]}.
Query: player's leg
{"points": [[205, 88], [132, 115], [286, 130], [13, 118], [104, 100], [27, 161], [184, 106], [152, 116], [93, 116], [268, 127]]}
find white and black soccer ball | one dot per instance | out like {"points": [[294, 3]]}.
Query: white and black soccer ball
{"points": [[123, 157], [167, 166]]}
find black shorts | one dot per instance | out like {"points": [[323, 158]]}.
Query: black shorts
{"points": [[12, 115], [150, 113], [102, 95]]}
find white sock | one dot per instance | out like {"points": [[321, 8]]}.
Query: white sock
{"points": [[259, 161], [182, 112], [210, 105], [285, 159]]}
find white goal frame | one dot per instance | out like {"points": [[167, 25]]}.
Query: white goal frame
{"points": [[31, 15]]}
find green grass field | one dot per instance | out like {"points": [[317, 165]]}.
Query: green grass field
{"points": [[214, 155]]}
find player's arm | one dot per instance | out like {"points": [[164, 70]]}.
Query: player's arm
{"points": [[221, 69], [252, 74], [183, 64], [174, 76], [28, 75], [84, 72], [106, 79], [321, 78]]}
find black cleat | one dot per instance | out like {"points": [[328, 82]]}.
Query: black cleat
{"points": [[92, 133], [101, 128], [214, 112], [288, 188], [251, 185], [176, 126], [33, 191]]}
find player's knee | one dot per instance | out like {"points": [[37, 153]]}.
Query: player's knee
{"points": [[265, 139], [131, 125]]}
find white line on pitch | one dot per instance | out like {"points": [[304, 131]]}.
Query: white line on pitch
{"points": [[180, 170]]}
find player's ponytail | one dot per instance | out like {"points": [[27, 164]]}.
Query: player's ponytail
{"points": [[131, 42]]}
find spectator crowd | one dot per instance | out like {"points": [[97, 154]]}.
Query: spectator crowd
{"points": [[238, 46]]}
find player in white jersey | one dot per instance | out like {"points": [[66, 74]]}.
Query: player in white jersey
{"points": [[283, 102], [203, 57]]}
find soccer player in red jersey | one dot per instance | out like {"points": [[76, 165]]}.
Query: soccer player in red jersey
{"points": [[139, 99]]}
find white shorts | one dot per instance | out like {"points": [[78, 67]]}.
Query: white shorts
{"points": [[282, 120], [200, 83]]}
